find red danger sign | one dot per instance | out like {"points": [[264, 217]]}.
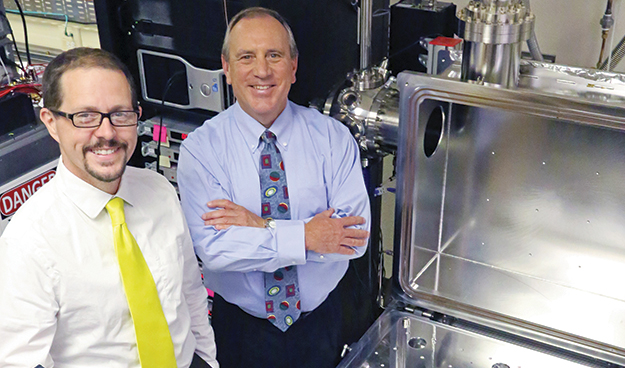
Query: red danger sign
{"points": [[13, 199]]}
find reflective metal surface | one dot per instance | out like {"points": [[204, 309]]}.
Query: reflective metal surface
{"points": [[400, 339], [491, 64], [566, 80], [371, 111], [364, 28], [512, 211], [493, 32]]}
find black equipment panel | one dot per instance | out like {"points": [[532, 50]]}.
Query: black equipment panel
{"points": [[325, 31]]}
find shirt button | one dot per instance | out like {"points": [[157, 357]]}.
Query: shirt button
{"points": [[321, 256], [284, 144]]}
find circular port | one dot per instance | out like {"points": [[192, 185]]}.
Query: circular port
{"points": [[417, 343], [433, 131]]}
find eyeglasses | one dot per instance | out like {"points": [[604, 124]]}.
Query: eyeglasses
{"points": [[93, 119]]}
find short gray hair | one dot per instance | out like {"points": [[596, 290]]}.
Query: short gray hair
{"points": [[257, 12]]}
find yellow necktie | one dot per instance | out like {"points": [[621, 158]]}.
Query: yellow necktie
{"points": [[156, 349]]}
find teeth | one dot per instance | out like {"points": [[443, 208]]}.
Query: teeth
{"points": [[103, 152], [261, 87]]}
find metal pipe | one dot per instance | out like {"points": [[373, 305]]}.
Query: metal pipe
{"points": [[496, 2], [493, 31], [532, 42], [606, 23], [615, 57], [366, 15]]}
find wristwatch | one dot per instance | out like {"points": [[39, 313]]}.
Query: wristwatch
{"points": [[270, 223]]}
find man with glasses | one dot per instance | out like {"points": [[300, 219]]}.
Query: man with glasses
{"points": [[97, 268]]}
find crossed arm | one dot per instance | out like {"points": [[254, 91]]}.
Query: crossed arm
{"points": [[229, 235], [323, 234]]}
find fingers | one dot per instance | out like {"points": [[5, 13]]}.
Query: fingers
{"points": [[231, 215], [327, 213], [214, 215], [221, 203], [351, 220], [356, 233], [219, 221], [350, 242], [345, 251]]}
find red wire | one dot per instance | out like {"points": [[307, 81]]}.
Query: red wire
{"points": [[22, 88]]}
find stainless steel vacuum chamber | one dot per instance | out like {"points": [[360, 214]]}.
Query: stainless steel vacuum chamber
{"points": [[510, 230]]}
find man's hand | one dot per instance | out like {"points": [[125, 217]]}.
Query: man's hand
{"points": [[230, 214], [325, 234]]}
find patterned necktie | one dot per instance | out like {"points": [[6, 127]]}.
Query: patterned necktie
{"points": [[153, 339], [281, 291]]}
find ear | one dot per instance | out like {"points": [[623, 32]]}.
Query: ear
{"points": [[49, 119], [226, 67], [294, 66]]}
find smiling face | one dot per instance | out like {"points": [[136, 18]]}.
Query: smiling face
{"points": [[96, 155], [260, 68]]}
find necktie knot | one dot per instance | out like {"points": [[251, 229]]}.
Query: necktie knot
{"points": [[268, 137], [115, 208]]}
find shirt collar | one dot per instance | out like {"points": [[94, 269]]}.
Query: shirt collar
{"points": [[252, 129], [85, 196]]}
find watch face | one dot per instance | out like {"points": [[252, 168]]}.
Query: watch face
{"points": [[270, 223]]}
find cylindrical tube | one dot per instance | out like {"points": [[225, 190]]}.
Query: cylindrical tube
{"points": [[491, 63], [366, 9], [493, 31]]}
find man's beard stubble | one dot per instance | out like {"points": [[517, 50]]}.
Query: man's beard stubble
{"points": [[102, 143]]}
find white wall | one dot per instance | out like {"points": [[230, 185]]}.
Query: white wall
{"points": [[570, 29], [48, 35]]}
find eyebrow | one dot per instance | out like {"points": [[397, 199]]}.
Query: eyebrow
{"points": [[243, 52], [115, 108]]}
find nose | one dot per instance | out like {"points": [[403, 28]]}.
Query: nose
{"points": [[106, 130], [261, 68]]}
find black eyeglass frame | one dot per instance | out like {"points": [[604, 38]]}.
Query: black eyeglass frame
{"points": [[102, 116]]}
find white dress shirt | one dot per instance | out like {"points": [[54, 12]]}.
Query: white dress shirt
{"points": [[62, 303]]}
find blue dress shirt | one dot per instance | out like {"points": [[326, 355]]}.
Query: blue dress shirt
{"points": [[220, 160]]}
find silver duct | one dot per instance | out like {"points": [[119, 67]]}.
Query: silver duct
{"points": [[366, 16], [493, 32], [368, 104], [372, 115]]}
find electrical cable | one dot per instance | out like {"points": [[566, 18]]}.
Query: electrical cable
{"points": [[226, 13], [380, 13], [609, 59], [19, 7], [21, 66], [27, 12], [168, 85], [17, 52], [22, 88], [6, 72], [417, 42]]}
